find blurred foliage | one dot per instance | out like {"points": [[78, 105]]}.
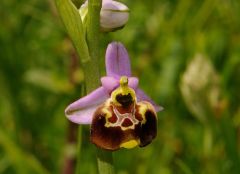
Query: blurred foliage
{"points": [[40, 75]]}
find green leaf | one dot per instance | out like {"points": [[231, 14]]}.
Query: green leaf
{"points": [[73, 23]]}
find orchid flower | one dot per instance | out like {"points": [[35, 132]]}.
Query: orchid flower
{"points": [[120, 114]]}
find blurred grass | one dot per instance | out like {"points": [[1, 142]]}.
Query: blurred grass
{"points": [[40, 76]]}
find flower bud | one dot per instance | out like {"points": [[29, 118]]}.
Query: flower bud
{"points": [[113, 15]]}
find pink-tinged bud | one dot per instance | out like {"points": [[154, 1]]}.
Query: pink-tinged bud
{"points": [[113, 15]]}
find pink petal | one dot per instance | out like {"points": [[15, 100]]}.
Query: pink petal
{"points": [[141, 96], [83, 116], [117, 60], [133, 82], [82, 110], [109, 83]]}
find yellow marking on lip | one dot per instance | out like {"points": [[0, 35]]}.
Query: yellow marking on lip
{"points": [[129, 127], [143, 108], [130, 144], [107, 112]]}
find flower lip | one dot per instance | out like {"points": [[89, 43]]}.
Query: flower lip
{"points": [[112, 129]]}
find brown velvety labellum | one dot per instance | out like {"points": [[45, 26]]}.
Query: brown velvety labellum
{"points": [[110, 136], [138, 117]]}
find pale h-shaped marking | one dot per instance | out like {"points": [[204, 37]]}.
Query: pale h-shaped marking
{"points": [[121, 117]]}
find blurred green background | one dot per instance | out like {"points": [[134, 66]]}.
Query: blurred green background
{"points": [[187, 56]]}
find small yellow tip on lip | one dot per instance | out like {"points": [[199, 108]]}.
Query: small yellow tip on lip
{"points": [[130, 144]]}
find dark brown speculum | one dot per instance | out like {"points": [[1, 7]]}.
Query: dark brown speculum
{"points": [[124, 100]]}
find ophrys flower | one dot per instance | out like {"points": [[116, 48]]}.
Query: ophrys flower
{"points": [[120, 114]]}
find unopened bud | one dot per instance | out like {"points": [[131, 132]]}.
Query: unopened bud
{"points": [[113, 15]]}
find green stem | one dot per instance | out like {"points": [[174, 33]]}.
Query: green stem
{"points": [[105, 162], [104, 158]]}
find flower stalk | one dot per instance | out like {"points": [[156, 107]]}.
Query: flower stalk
{"points": [[104, 158], [91, 68]]}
